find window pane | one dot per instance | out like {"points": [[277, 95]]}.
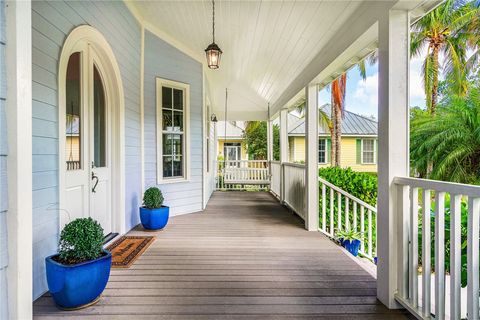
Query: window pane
{"points": [[167, 166], [173, 127], [167, 122], [178, 99], [367, 145], [321, 151], [167, 144], [73, 142], [178, 121], [368, 151], [166, 98], [99, 121], [177, 166], [177, 144], [368, 157]]}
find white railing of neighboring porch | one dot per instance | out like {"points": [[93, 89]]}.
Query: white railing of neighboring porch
{"points": [[339, 210], [294, 187], [275, 182], [413, 212], [237, 174]]}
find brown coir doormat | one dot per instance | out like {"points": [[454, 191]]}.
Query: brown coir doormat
{"points": [[127, 249]]}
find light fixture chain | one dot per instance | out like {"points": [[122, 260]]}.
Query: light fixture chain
{"points": [[213, 20]]}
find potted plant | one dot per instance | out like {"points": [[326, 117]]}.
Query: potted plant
{"points": [[78, 274], [350, 240], [153, 215]]}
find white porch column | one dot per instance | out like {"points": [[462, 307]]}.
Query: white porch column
{"points": [[311, 157], [19, 159], [269, 140], [283, 148], [393, 150]]}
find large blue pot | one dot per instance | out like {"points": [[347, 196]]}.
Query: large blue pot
{"points": [[352, 246], [154, 219], [76, 285]]}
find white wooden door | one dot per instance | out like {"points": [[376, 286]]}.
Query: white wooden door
{"points": [[100, 197], [87, 177]]}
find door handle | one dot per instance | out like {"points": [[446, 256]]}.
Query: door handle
{"points": [[94, 177]]}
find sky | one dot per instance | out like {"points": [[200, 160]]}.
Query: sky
{"points": [[361, 96]]}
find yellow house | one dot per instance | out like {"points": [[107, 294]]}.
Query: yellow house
{"points": [[358, 145], [232, 144]]}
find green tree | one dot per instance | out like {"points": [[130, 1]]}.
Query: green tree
{"points": [[447, 145], [255, 135], [451, 29]]}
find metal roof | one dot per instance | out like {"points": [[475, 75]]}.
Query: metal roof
{"points": [[352, 124]]}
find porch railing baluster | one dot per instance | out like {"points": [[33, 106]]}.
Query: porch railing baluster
{"points": [[351, 203], [408, 255]]}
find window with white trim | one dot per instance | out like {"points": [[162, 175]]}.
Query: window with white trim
{"points": [[172, 129], [368, 151], [322, 151]]}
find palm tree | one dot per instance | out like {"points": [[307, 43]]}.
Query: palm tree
{"points": [[338, 89], [450, 141], [338, 92], [450, 29]]}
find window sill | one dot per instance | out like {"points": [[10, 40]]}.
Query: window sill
{"points": [[171, 181]]}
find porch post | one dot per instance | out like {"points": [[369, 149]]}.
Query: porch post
{"points": [[269, 140], [283, 149], [311, 157], [393, 150], [19, 160]]}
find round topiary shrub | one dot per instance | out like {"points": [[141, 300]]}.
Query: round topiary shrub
{"points": [[152, 198], [80, 240]]}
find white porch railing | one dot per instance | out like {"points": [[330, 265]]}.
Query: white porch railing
{"points": [[340, 210], [275, 181], [294, 187], [416, 206], [237, 174]]}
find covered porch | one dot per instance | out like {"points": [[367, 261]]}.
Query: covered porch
{"points": [[254, 260], [224, 255]]}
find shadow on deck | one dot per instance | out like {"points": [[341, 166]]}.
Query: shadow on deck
{"points": [[244, 257]]}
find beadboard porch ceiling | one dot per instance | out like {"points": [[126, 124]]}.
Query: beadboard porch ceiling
{"points": [[269, 46]]}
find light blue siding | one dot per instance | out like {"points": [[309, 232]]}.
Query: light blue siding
{"points": [[52, 21], [3, 171], [164, 61]]}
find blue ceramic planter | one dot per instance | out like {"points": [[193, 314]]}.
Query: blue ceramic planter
{"points": [[154, 219], [352, 246], [76, 285]]}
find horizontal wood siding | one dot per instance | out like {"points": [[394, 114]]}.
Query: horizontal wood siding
{"points": [[3, 171], [52, 21], [164, 61]]}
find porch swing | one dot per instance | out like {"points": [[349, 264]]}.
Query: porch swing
{"points": [[243, 172]]}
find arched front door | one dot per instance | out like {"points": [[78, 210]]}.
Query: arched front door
{"points": [[91, 132], [87, 141]]}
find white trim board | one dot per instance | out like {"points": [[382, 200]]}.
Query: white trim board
{"points": [[18, 56]]}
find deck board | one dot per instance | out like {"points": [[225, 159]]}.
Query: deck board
{"points": [[244, 257]]}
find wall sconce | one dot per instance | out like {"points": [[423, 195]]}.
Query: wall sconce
{"points": [[213, 118]]}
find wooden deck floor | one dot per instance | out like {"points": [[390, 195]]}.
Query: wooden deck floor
{"points": [[245, 257]]}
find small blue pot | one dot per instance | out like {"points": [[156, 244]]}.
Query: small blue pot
{"points": [[154, 219], [77, 285], [352, 246]]}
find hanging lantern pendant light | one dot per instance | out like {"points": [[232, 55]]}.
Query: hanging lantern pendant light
{"points": [[213, 51]]}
